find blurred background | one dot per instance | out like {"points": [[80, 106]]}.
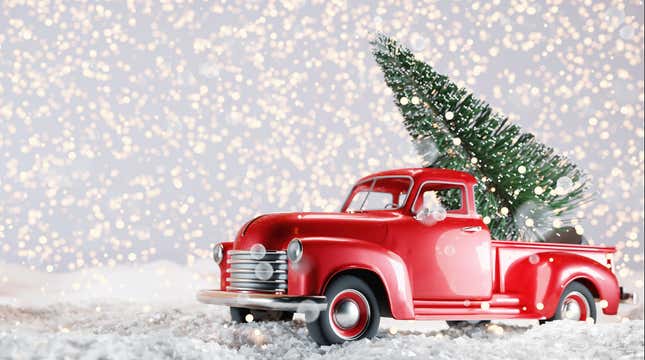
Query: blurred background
{"points": [[139, 131]]}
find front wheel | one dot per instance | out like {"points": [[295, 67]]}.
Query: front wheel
{"points": [[352, 313], [576, 303], [243, 315]]}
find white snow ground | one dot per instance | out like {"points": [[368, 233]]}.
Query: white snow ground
{"points": [[149, 312]]}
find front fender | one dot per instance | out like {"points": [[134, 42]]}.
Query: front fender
{"points": [[325, 257], [540, 281]]}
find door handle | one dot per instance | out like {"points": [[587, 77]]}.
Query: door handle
{"points": [[471, 228]]}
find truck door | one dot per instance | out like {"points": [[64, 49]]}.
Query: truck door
{"points": [[448, 251]]}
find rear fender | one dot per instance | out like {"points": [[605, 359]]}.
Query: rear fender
{"points": [[541, 280], [323, 258]]}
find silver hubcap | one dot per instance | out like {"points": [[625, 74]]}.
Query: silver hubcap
{"points": [[572, 307], [571, 310], [346, 314]]}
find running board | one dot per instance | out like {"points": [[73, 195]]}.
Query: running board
{"points": [[495, 301], [498, 307], [465, 312]]}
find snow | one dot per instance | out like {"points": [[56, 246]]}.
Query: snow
{"points": [[149, 312]]}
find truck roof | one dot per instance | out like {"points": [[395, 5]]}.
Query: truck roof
{"points": [[425, 174]]}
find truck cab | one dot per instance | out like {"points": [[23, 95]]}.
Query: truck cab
{"points": [[406, 244]]}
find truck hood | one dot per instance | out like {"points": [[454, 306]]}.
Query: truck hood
{"points": [[274, 231]]}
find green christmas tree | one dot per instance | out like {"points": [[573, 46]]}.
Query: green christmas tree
{"points": [[525, 189]]}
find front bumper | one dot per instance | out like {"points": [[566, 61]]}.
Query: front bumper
{"points": [[263, 301]]}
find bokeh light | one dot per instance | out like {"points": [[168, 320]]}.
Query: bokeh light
{"points": [[137, 131]]}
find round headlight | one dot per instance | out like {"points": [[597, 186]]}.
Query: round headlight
{"points": [[218, 253], [294, 250]]}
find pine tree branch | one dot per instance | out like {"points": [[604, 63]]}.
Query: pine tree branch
{"points": [[514, 168]]}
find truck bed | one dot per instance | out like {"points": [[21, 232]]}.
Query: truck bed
{"points": [[505, 253], [516, 249], [509, 303]]}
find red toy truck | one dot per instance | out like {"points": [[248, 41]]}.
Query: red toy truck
{"points": [[398, 249]]}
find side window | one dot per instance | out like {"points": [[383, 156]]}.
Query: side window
{"points": [[450, 197]]}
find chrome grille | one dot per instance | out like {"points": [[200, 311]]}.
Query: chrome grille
{"points": [[242, 276]]}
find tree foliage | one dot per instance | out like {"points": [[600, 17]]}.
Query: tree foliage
{"points": [[524, 188]]}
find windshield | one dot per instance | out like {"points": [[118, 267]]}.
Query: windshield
{"points": [[379, 193]]}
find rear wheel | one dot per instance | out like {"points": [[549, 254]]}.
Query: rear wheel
{"points": [[576, 303], [241, 315], [352, 313]]}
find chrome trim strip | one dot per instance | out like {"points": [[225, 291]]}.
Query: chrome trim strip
{"points": [[266, 257], [251, 266], [249, 271], [282, 288], [247, 252], [233, 279], [254, 290], [257, 261], [237, 276], [242, 266], [262, 301]]}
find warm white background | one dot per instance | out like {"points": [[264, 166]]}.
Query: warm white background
{"points": [[150, 130]]}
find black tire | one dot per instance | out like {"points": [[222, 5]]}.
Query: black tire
{"points": [[286, 315], [325, 330], [239, 315], [465, 323], [578, 292]]}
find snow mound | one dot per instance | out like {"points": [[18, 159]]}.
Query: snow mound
{"points": [[636, 313], [161, 281], [134, 331], [149, 312]]}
